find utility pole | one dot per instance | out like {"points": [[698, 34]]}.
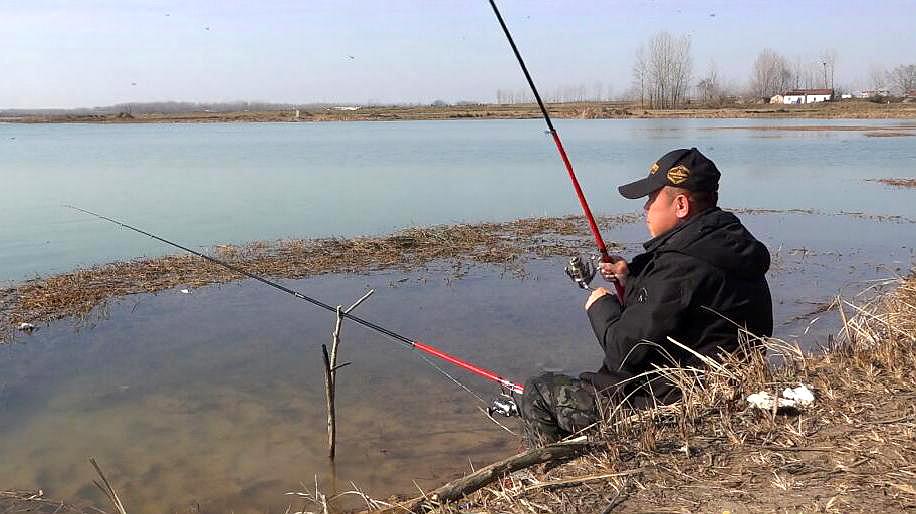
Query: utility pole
{"points": [[825, 73]]}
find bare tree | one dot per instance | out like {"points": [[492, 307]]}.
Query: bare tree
{"points": [[877, 77], [709, 88], [662, 75], [772, 74], [828, 59], [641, 75], [902, 79]]}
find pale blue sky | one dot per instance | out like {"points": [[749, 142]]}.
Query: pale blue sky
{"points": [[60, 53]]}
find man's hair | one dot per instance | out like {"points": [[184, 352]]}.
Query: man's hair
{"points": [[699, 200]]}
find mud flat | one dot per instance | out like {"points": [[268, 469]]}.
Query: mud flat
{"points": [[589, 110], [897, 182], [79, 292]]}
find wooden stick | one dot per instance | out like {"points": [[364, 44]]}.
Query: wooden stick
{"points": [[330, 372], [468, 484], [329, 397]]}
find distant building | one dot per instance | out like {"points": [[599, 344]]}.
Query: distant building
{"points": [[807, 96], [346, 108], [846, 96], [910, 94], [872, 93], [776, 99]]}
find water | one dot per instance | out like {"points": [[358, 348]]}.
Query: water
{"points": [[214, 401], [204, 184]]}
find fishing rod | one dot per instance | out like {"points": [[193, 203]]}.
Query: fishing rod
{"points": [[508, 385], [579, 270]]}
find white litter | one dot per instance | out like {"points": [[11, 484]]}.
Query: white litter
{"points": [[797, 398], [27, 327], [185, 291], [801, 395]]}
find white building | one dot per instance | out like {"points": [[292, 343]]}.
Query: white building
{"points": [[807, 96], [871, 93]]}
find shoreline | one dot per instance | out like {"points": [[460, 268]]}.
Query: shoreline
{"points": [[78, 292], [798, 461], [848, 109], [851, 448]]}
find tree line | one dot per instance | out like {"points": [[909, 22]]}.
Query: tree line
{"points": [[663, 77]]}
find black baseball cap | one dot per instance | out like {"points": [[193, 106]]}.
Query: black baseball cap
{"points": [[684, 168]]}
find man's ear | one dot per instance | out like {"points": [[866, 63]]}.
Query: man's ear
{"points": [[681, 206]]}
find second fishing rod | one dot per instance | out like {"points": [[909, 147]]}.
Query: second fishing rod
{"points": [[509, 386]]}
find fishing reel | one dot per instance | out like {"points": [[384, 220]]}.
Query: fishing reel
{"points": [[504, 405], [581, 271]]}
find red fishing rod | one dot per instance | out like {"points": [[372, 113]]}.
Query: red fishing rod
{"points": [[599, 241], [508, 385]]}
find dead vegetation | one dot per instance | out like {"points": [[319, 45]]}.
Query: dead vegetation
{"points": [[867, 130], [35, 501], [896, 182], [79, 292], [847, 109], [854, 450]]}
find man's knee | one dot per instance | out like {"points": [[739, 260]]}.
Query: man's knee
{"points": [[554, 406]]}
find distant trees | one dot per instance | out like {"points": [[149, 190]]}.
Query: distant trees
{"points": [[710, 90], [828, 59], [902, 79], [596, 92], [771, 74], [662, 71]]}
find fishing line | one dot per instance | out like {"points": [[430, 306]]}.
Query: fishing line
{"points": [[403, 340], [592, 225]]}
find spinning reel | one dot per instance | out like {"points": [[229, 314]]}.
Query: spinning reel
{"points": [[504, 405], [581, 271]]}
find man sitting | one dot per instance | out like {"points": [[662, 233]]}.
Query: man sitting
{"points": [[700, 281]]}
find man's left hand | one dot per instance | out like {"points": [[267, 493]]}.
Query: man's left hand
{"points": [[597, 293]]}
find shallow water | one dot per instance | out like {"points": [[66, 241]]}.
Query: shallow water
{"points": [[203, 184], [214, 401]]}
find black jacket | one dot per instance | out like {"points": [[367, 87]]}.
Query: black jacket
{"points": [[709, 261]]}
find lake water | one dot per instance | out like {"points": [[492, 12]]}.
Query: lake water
{"points": [[220, 183], [213, 401]]}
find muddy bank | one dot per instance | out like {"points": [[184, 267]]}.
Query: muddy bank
{"points": [[79, 292], [581, 110], [897, 182], [866, 130], [507, 244], [853, 449]]}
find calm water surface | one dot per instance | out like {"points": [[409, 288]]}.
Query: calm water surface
{"points": [[214, 401], [218, 183]]}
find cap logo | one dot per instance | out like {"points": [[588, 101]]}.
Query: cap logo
{"points": [[653, 168], [678, 174]]}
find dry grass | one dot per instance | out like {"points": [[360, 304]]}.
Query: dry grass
{"points": [[896, 182], [79, 292], [854, 450], [17, 501], [847, 109]]}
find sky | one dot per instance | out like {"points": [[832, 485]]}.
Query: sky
{"points": [[85, 53]]}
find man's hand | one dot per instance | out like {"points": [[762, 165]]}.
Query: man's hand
{"points": [[615, 269], [597, 293]]}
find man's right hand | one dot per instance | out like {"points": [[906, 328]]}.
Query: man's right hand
{"points": [[615, 269]]}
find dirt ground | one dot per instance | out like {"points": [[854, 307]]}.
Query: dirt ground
{"points": [[855, 109]]}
